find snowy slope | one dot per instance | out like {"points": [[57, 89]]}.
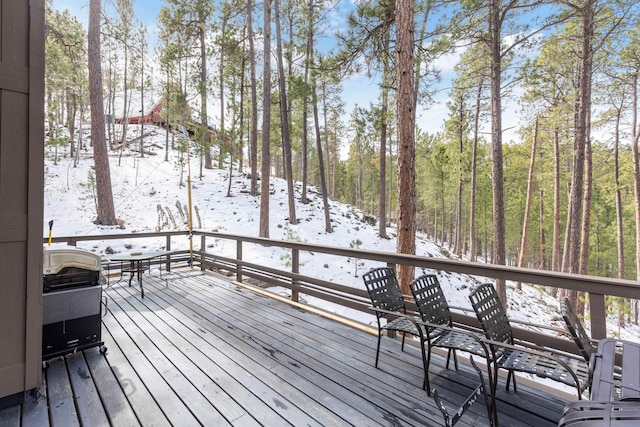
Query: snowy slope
{"points": [[142, 187]]}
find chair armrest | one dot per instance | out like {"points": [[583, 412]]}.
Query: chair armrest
{"points": [[561, 331]]}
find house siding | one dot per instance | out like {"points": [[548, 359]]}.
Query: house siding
{"points": [[21, 194]]}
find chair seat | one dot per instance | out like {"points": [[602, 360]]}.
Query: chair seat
{"points": [[545, 367], [402, 324], [459, 341]]}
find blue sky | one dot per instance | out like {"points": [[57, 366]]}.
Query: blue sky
{"points": [[357, 89]]}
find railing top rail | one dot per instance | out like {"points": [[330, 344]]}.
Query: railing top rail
{"points": [[586, 283]]}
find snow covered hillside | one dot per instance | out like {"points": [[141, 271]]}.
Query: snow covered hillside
{"points": [[148, 197]]}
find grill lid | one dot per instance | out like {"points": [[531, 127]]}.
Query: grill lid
{"points": [[57, 258]]}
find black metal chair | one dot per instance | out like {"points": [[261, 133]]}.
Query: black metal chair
{"points": [[576, 329], [436, 315], [519, 356], [388, 303]]}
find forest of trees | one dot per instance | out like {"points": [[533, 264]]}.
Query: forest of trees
{"points": [[564, 194]]}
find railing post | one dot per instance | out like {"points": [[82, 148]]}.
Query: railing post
{"points": [[598, 316], [295, 269], [203, 250], [239, 261], [168, 248]]}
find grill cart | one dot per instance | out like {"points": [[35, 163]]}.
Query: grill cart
{"points": [[71, 301]]}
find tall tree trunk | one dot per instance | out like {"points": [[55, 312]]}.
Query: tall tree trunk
{"points": [[473, 250], [266, 124], [571, 260], [284, 120], [253, 84], [204, 121], [527, 206], [499, 250], [326, 129], [635, 136], [105, 210], [240, 146], [457, 245], [323, 183], [125, 90], [221, 64], [586, 214], [382, 189], [305, 103], [619, 227], [555, 244], [406, 137], [543, 255]]}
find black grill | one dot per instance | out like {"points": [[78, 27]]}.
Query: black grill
{"points": [[72, 302]]}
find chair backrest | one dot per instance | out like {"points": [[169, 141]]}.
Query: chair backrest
{"points": [[431, 302], [384, 290], [491, 313], [576, 329]]}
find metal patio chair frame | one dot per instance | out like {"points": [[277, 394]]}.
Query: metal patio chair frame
{"points": [[389, 304], [439, 327], [520, 356]]}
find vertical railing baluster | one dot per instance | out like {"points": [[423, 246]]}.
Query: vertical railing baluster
{"points": [[239, 261], [168, 249], [598, 316], [203, 251], [295, 269]]}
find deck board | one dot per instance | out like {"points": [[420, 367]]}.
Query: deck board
{"points": [[87, 400], [111, 394], [146, 409], [254, 368], [10, 416], [205, 351], [149, 371], [351, 366], [310, 358], [62, 409], [34, 410]]}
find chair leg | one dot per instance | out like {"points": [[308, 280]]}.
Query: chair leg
{"points": [[378, 347], [511, 376], [402, 346], [494, 387], [426, 360]]}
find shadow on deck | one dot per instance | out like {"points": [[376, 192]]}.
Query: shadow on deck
{"points": [[199, 350]]}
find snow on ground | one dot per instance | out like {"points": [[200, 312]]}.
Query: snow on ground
{"points": [[143, 186]]}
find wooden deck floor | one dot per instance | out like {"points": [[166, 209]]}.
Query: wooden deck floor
{"points": [[203, 351]]}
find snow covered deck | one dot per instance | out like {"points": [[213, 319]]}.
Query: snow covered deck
{"points": [[200, 350]]}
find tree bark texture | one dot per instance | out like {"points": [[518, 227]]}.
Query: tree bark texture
{"points": [[406, 137], [497, 172], [473, 250], [571, 259], [204, 122], [284, 121], [527, 205], [253, 133], [266, 124], [105, 209]]}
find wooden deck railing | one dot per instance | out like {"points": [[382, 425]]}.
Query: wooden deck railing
{"points": [[348, 296]]}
